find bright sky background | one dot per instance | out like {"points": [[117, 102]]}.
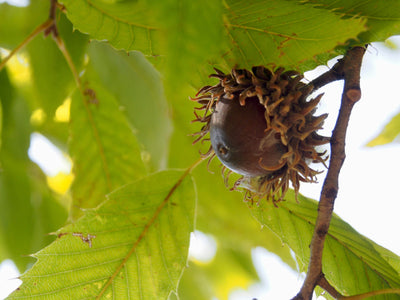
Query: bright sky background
{"points": [[368, 196]]}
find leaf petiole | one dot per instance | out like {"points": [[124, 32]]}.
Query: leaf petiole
{"points": [[370, 294], [42, 27]]}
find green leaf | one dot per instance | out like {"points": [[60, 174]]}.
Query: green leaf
{"points": [[179, 36], [351, 262], [104, 150], [389, 256], [388, 134], [383, 17], [272, 32], [52, 78], [257, 33], [194, 41], [133, 246], [137, 86], [125, 24]]}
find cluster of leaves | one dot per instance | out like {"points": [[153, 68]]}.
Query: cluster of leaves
{"points": [[130, 214]]}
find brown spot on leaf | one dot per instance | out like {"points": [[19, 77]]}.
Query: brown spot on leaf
{"points": [[86, 239], [62, 234], [91, 96]]}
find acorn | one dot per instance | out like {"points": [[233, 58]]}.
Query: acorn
{"points": [[262, 126], [238, 137]]}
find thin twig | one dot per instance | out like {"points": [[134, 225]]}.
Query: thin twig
{"points": [[42, 27], [350, 67], [48, 27]]}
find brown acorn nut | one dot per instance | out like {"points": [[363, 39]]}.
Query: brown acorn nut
{"points": [[239, 139], [262, 127]]}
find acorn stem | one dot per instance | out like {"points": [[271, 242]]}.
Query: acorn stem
{"points": [[334, 74]]}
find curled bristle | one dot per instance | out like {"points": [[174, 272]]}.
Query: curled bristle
{"points": [[210, 159], [287, 112]]}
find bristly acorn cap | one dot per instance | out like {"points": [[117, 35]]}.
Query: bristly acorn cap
{"points": [[287, 123]]}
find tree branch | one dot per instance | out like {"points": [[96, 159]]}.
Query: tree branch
{"points": [[349, 67]]}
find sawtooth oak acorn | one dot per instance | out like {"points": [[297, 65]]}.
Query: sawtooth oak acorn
{"points": [[262, 126], [239, 139]]}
